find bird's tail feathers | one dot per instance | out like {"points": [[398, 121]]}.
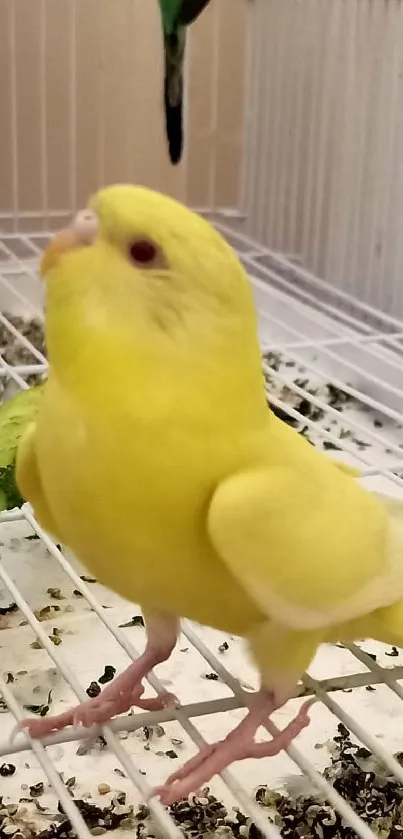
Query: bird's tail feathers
{"points": [[191, 9], [173, 93]]}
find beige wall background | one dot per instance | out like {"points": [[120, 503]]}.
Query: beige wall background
{"points": [[295, 117], [80, 102]]}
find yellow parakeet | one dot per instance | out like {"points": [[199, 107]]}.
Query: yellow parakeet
{"points": [[175, 483]]}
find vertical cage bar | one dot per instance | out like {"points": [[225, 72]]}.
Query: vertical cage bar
{"points": [[43, 116], [101, 95], [14, 113], [73, 104]]}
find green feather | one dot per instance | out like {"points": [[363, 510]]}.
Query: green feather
{"points": [[176, 15], [170, 10], [10, 496], [15, 416]]}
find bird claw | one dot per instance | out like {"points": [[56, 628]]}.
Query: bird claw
{"points": [[95, 712], [214, 758], [37, 728], [189, 778], [102, 711]]}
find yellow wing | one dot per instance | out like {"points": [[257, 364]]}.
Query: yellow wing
{"points": [[29, 481], [310, 551]]}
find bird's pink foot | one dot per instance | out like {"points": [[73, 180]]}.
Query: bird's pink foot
{"points": [[238, 745], [124, 692]]}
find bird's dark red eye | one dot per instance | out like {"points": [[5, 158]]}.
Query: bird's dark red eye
{"points": [[143, 252]]}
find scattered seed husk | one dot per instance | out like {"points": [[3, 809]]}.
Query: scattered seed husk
{"points": [[13, 351], [37, 789], [137, 620], [282, 415], [329, 446], [7, 769], [55, 593], [99, 744], [375, 794], [378, 799], [93, 690], [43, 614], [56, 638], [8, 610], [108, 674]]}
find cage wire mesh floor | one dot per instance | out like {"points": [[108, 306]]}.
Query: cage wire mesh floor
{"points": [[333, 370]]}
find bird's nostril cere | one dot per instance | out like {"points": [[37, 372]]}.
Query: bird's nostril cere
{"points": [[85, 226]]}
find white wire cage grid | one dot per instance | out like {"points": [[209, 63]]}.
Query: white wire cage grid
{"points": [[322, 164]]}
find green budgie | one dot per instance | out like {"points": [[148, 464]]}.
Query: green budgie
{"points": [[16, 413], [176, 16]]}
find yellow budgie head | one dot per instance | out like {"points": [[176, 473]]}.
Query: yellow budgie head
{"points": [[140, 276]]}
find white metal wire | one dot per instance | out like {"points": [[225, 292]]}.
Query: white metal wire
{"points": [[299, 320], [44, 115], [13, 115], [73, 104], [328, 77]]}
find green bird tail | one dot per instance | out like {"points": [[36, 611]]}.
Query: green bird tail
{"points": [[190, 10], [174, 45]]}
